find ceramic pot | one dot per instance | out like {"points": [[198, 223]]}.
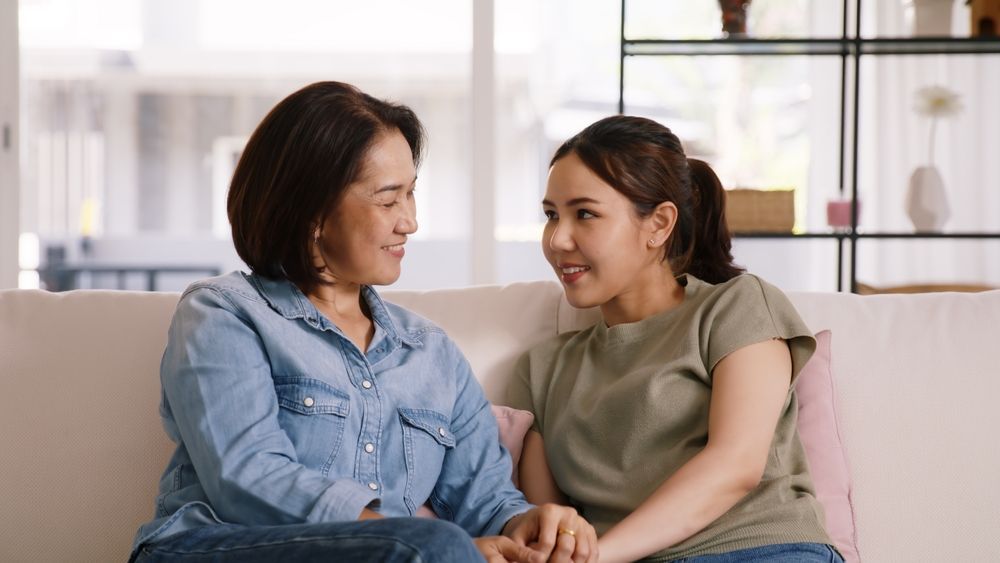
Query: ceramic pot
{"points": [[926, 200]]}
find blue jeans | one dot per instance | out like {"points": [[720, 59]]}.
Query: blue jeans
{"points": [[781, 553], [395, 540]]}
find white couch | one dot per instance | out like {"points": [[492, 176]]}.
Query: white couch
{"points": [[918, 385]]}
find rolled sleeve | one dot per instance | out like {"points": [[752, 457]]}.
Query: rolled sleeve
{"points": [[343, 500]]}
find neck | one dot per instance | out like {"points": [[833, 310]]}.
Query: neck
{"points": [[338, 301], [653, 292]]}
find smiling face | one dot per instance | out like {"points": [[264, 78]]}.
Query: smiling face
{"points": [[362, 241], [595, 240]]}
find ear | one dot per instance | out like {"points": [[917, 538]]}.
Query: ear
{"points": [[661, 223]]}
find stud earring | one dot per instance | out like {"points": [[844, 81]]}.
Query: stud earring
{"points": [[652, 242]]}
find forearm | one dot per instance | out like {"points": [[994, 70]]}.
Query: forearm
{"points": [[701, 491]]}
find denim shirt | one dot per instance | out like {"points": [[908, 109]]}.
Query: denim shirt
{"points": [[279, 418]]}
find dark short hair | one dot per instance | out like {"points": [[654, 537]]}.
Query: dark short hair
{"points": [[296, 167]]}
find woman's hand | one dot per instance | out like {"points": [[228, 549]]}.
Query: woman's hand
{"points": [[558, 532], [501, 549]]}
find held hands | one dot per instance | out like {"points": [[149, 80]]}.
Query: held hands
{"points": [[501, 549], [557, 533]]}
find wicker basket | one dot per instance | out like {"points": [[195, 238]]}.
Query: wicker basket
{"points": [[757, 211]]}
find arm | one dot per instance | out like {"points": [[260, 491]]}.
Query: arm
{"points": [[474, 488], [749, 389], [217, 382], [536, 478]]}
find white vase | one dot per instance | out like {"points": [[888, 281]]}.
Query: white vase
{"points": [[926, 201], [932, 18]]}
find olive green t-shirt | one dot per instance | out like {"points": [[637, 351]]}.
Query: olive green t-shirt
{"points": [[622, 408]]}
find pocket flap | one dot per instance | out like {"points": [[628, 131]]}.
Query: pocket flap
{"points": [[435, 424], [311, 396]]}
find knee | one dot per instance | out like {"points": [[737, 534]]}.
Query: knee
{"points": [[440, 540]]}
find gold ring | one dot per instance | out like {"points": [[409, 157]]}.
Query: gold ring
{"points": [[567, 531]]}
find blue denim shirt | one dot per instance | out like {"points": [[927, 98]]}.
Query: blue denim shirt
{"points": [[279, 418]]}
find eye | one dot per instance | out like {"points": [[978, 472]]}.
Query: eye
{"points": [[550, 215], [409, 194], [584, 214]]}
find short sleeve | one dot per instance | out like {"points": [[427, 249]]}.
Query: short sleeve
{"points": [[519, 392], [750, 311]]}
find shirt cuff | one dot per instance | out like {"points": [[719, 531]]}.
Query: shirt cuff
{"points": [[495, 526], [342, 501]]}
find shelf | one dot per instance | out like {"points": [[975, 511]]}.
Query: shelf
{"points": [[842, 47], [661, 47], [804, 46], [929, 235], [930, 46], [790, 235], [867, 235]]}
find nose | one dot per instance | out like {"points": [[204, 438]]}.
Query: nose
{"points": [[407, 222], [560, 237]]}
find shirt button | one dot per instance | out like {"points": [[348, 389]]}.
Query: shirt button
{"points": [[366, 384], [369, 448], [373, 486], [308, 401], [442, 432]]}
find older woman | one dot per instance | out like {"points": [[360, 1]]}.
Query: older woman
{"points": [[311, 418]]}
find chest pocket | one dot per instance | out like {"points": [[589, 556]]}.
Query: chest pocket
{"points": [[426, 439], [312, 414]]}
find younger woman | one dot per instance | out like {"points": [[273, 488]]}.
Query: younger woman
{"points": [[671, 424]]}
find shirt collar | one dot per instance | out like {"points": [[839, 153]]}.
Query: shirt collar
{"points": [[288, 300]]}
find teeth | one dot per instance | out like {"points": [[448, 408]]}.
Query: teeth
{"points": [[393, 247], [575, 269]]}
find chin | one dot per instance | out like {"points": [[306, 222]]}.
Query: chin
{"points": [[385, 278], [579, 299]]}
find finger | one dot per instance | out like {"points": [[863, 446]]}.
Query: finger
{"points": [[586, 541], [583, 547], [523, 529], [489, 552], [563, 552], [548, 527], [519, 553], [594, 546]]}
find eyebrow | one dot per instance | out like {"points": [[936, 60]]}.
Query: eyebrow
{"points": [[394, 187], [572, 202]]}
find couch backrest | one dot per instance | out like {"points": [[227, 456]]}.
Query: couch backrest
{"points": [[82, 447]]}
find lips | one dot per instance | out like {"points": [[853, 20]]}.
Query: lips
{"points": [[570, 273], [396, 250]]}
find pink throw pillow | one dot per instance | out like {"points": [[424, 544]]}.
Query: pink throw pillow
{"points": [[820, 435], [513, 424]]}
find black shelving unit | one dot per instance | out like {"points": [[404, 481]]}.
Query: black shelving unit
{"points": [[850, 49]]}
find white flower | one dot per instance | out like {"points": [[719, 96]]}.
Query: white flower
{"points": [[937, 101]]}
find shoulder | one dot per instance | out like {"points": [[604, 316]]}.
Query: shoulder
{"points": [[414, 326], [228, 288], [742, 294]]}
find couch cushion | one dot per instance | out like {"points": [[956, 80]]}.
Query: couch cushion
{"points": [[82, 446]]}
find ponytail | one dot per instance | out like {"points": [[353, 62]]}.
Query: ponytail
{"points": [[645, 162], [705, 245]]}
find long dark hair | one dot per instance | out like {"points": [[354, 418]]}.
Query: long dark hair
{"points": [[645, 162], [296, 167]]}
